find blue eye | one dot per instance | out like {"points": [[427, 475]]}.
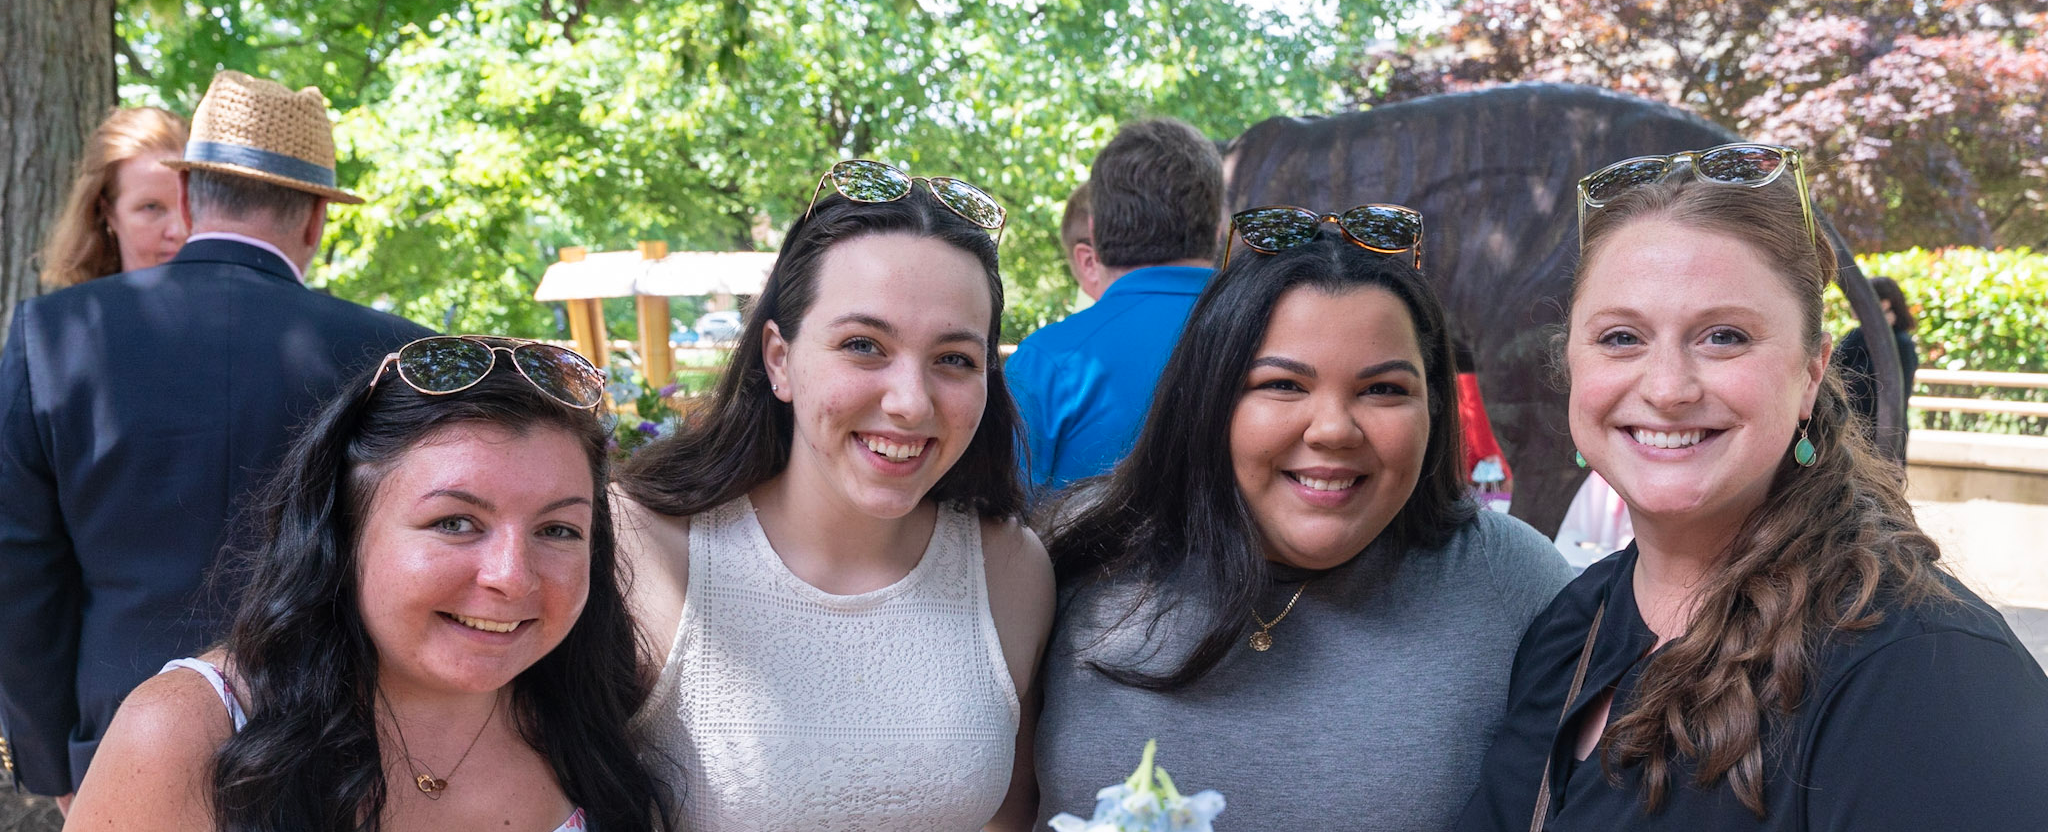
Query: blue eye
{"points": [[455, 525], [1620, 338], [861, 345], [961, 360], [1726, 337]]}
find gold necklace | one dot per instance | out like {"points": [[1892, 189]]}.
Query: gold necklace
{"points": [[1263, 639], [428, 784]]}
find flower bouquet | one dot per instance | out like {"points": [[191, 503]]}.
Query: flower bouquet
{"points": [[1147, 802]]}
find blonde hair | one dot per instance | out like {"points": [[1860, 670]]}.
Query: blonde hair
{"points": [[81, 246]]}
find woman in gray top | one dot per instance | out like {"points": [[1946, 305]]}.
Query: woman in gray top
{"points": [[1285, 582]]}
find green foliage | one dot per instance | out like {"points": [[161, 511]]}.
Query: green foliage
{"points": [[1977, 309], [488, 134]]}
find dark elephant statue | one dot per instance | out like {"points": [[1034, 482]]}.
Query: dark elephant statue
{"points": [[1495, 174]]}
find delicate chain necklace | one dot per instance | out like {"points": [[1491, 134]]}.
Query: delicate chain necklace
{"points": [[1263, 639], [428, 784]]}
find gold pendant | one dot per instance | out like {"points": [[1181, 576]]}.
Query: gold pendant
{"points": [[430, 784], [1262, 641]]}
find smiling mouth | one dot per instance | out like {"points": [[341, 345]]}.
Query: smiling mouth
{"points": [[1669, 440], [484, 624], [1319, 484], [893, 451]]}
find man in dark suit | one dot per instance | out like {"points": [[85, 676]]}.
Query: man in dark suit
{"points": [[138, 411]]}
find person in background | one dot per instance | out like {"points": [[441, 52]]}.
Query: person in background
{"points": [[137, 410], [1082, 383], [1852, 357], [1779, 649], [122, 211], [1287, 583], [434, 635], [1080, 248], [829, 551]]}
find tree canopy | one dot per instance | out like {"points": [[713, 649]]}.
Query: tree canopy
{"points": [[488, 134], [1924, 118]]}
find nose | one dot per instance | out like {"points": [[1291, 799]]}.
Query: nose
{"points": [[908, 399], [507, 566], [1670, 381], [1332, 423], [175, 229]]}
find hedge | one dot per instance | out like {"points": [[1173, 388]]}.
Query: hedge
{"points": [[1977, 309]]}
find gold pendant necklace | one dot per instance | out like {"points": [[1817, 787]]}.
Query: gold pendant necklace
{"points": [[1263, 639], [427, 783]]}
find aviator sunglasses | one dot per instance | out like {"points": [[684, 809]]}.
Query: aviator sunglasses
{"points": [[443, 364], [862, 180], [1742, 163], [1387, 229]]}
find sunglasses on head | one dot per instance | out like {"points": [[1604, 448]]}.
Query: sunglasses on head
{"points": [[862, 180], [443, 364], [1742, 163], [1387, 229]]}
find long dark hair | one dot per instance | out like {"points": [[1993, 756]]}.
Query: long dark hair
{"points": [[1170, 517], [309, 759], [1811, 561], [741, 438]]}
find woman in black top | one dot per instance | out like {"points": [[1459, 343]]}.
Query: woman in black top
{"points": [[1778, 649], [1852, 358]]}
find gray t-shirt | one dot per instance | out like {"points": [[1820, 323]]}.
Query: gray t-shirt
{"points": [[1381, 692]]}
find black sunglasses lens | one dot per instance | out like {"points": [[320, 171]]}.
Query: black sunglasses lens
{"points": [[1383, 227], [1275, 229], [1635, 173], [443, 365], [968, 201], [1741, 165], [561, 374], [864, 181]]}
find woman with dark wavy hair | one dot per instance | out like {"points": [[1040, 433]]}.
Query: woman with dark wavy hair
{"points": [[433, 633], [1779, 648], [830, 547], [1286, 583]]}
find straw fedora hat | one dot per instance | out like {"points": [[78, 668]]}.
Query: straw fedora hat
{"points": [[259, 129]]}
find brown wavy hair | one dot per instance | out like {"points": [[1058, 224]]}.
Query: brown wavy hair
{"points": [[81, 246], [1807, 566]]}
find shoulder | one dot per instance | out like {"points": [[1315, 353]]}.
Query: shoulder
{"points": [[1927, 640], [172, 718], [1015, 558], [654, 551], [1517, 562]]}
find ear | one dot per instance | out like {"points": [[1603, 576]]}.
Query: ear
{"points": [[185, 205], [775, 359], [1816, 369], [316, 224], [1087, 269]]}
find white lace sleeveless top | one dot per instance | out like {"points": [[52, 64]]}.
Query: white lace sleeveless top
{"points": [[788, 707]]}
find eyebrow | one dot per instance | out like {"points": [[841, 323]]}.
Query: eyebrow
{"points": [[1300, 369], [487, 505], [947, 337]]}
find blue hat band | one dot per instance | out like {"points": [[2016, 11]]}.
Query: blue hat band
{"points": [[274, 163]]}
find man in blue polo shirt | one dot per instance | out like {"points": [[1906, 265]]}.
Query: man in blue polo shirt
{"points": [[1084, 383]]}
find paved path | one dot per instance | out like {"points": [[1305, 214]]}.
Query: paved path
{"points": [[2001, 551]]}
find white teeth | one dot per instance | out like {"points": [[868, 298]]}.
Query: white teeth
{"points": [[1673, 439], [1325, 485], [485, 624], [895, 452]]}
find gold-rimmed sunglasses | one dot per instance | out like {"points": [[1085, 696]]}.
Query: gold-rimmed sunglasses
{"points": [[1381, 227], [442, 364], [1746, 164], [864, 180]]}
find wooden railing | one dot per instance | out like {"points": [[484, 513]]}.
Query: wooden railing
{"points": [[1978, 378]]}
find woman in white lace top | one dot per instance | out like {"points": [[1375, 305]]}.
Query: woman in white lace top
{"points": [[829, 553]]}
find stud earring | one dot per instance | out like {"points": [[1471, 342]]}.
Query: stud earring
{"points": [[774, 388], [1803, 451], [1578, 459]]}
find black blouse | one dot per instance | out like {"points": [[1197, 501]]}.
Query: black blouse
{"points": [[1936, 719]]}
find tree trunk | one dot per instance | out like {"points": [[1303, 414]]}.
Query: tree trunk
{"points": [[56, 83]]}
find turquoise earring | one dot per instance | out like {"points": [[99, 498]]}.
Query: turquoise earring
{"points": [[1578, 459], [1803, 451]]}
